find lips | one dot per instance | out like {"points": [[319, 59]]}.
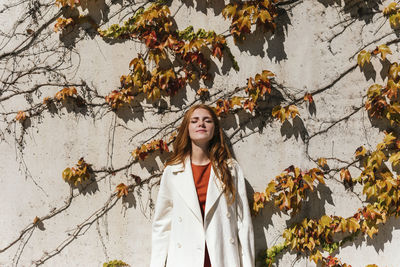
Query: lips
{"points": [[201, 131]]}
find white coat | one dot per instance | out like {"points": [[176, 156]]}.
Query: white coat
{"points": [[179, 234]]}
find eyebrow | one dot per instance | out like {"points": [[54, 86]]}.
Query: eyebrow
{"points": [[206, 117]]}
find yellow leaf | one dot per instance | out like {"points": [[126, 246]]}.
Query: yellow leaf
{"points": [[316, 257], [394, 20], [266, 74], [363, 57], [345, 175], [122, 190], [271, 188], [325, 220], [229, 11], [371, 231], [293, 110], [236, 100], [395, 158], [309, 181], [361, 151], [374, 90], [279, 113], [394, 70], [384, 50], [389, 138], [353, 225], [322, 162], [67, 173], [265, 16], [390, 8]]}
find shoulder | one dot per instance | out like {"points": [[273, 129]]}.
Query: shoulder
{"points": [[234, 166], [232, 163]]}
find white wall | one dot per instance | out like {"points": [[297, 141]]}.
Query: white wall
{"points": [[304, 59]]}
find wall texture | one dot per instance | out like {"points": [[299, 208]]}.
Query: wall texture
{"points": [[313, 49]]}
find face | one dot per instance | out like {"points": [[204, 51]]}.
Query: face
{"points": [[201, 126]]}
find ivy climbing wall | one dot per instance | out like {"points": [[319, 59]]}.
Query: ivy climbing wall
{"points": [[92, 92]]}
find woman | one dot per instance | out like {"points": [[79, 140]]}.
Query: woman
{"points": [[202, 216]]}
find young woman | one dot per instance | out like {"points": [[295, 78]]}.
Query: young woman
{"points": [[202, 215]]}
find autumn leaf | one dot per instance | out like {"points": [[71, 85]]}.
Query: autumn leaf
{"points": [[392, 89], [249, 104], [47, 100], [384, 50], [250, 85], [21, 116], [394, 70], [236, 101], [202, 91], [265, 75], [389, 9], [115, 263], [79, 174], [293, 111], [363, 57], [217, 51], [122, 190], [394, 20], [371, 231], [62, 24], [360, 151], [309, 181], [316, 256], [259, 197], [345, 175], [325, 220], [395, 159], [229, 11], [308, 97], [67, 173], [65, 92], [389, 138], [265, 16], [322, 163], [353, 225], [36, 220], [279, 113]]}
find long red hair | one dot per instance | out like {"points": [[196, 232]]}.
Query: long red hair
{"points": [[218, 150]]}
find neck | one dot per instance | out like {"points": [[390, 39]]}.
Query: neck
{"points": [[199, 155]]}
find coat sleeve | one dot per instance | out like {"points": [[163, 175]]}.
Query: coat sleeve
{"points": [[244, 221], [161, 226]]}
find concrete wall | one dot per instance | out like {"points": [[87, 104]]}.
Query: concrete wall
{"points": [[315, 44]]}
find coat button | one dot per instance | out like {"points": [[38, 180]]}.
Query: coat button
{"points": [[231, 240], [180, 219], [228, 215], [179, 245]]}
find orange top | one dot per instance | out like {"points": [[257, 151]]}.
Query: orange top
{"points": [[201, 176]]}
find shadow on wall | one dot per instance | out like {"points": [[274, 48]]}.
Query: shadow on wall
{"points": [[357, 9]]}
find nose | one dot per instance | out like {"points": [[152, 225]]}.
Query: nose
{"points": [[202, 123]]}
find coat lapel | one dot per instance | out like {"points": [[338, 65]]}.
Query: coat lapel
{"points": [[214, 190], [184, 184]]}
